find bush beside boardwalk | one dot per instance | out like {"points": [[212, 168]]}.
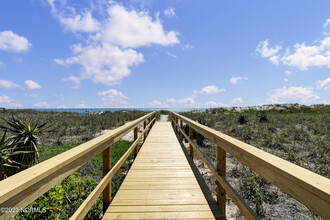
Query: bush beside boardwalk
{"points": [[71, 127], [64, 199]]}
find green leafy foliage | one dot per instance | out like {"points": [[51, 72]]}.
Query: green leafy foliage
{"points": [[242, 119], [20, 149], [61, 201], [68, 127]]}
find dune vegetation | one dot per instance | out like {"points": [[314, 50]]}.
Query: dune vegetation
{"points": [[52, 133], [299, 134]]}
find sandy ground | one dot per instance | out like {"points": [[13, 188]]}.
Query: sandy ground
{"points": [[130, 135], [163, 118]]}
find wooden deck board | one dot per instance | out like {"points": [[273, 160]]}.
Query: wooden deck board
{"points": [[161, 184]]}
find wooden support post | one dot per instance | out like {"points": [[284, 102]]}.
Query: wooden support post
{"points": [[181, 126], [191, 136], [221, 165], [144, 127], [106, 169], [177, 122], [135, 137], [149, 120]]}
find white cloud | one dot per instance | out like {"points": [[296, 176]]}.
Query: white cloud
{"points": [[10, 41], [8, 85], [267, 52], [76, 82], [31, 85], [235, 80], [324, 84], [30, 95], [187, 46], [1, 64], [210, 90], [285, 80], [7, 102], [293, 94], [326, 28], [113, 98], [275, 59], [170, 12], [156, 104], [81, 105], [171, 55], [105, 64], [62, 106], [72, 21], [288, 72], [185, 101], [112, 93], [308, 56], [213, 104], [304, 56], [237, 100], [60, 62], [108, 54], [135, 29], [42, 105]]}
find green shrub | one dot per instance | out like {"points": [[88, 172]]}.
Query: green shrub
{"points": [[242, 119], [61, 201]]}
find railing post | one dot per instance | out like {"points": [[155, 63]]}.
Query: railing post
{"points": [[181, 126], [221, 165], [106, 169], [191, 136], [135, 137], [144, 127], [149, 120], [177, 122]]}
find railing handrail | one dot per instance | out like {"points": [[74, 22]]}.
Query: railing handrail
{"points": [[24, 187], [241, 204], [90, 200], [309, 188]]}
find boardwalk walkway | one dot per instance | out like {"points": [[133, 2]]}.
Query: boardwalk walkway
{"points": [[162, 183]]}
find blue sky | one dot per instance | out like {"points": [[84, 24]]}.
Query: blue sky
{"points": [[174, 53]]}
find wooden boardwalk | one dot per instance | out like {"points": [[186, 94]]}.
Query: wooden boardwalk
{"points": [[163, 183]]}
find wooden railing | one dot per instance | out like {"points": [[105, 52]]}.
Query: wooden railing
{"points": [[309, 188], [20, 190]]}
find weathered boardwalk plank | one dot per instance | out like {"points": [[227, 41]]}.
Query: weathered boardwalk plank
{"points": [[161, 184]]}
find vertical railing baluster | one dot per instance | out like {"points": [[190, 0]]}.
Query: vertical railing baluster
{"points": [[191, 136], [106, 169], [144, 127], [181, 126], [221, 166], [177, 122], [135, 137]]}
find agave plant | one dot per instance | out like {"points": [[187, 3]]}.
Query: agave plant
{"points": [[23, 143], [6, 162]]}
